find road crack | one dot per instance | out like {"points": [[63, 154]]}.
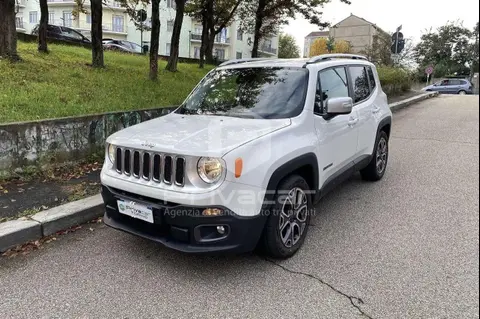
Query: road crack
{"points": [[354, 301]]}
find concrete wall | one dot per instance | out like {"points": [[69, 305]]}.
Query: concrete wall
{"points": [[356, 31], [59, 140]]}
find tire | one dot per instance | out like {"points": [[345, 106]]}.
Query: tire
{"points": [[378, 165], [462, 93], [288, 219]]}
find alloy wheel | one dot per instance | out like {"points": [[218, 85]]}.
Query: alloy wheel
{"points": [[293, 217], [382, 155]]}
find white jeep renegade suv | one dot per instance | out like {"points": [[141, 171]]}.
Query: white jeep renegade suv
{"points": [[243, 160]]}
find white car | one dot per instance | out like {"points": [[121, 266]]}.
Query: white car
{"points": [[242, 162]]}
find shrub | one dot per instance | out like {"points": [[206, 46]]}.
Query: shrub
{"points": [[394, 80]]}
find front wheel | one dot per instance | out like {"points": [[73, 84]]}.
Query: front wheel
{"points": [[289, 219], [378, 165]]}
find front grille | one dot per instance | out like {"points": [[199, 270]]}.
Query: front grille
{"points": [[160, 168]]}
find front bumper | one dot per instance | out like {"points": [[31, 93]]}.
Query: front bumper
{"points": [[182, 227]]}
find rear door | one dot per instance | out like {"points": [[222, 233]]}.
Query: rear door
{"points": [[364, 92]]}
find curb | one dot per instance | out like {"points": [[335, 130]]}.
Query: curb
{"points": [[405, 103], [48, 222]]}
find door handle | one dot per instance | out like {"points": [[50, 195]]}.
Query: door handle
{"points": [[352, 122], [375, 110]]}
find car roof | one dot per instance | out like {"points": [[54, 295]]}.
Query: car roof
{"points": [[325, 60]]}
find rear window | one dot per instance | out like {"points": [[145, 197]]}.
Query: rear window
{"points": [[371, 77]]}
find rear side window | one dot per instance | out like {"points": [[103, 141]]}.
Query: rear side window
{"points": [[371, 77], [361, 88]]}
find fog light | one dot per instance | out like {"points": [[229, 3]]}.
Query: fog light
{"points": [[221, 230], [212, 212]]}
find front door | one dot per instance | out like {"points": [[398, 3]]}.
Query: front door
{"points": [[337, 137]]}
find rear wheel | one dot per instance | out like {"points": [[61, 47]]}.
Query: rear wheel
{"points": [[288, 222], [462, 93], [378, 165]]}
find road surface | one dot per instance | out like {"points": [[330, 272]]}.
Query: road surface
{"points": [[406, 247]]}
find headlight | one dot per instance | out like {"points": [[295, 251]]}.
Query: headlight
{"points": [[210, 169], [111, 153]]}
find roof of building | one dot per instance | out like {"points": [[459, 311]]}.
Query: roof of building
{"points": [[373, 24], [317, 34]]}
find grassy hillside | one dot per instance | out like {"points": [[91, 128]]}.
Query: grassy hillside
{"points": [[61, 84]]}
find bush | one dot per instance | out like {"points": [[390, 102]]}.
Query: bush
{"points": [[394, 80]]}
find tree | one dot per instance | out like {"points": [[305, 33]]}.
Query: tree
{"points": [[287, 47], [263, 18], [379, 52], [42, 28], [215, 15], [319, 47], [474, 51], [97, 33], [175, 41], [447, 46], [8, 31], [154, 40], [342, 46]]}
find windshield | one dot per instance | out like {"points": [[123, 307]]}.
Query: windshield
{"points": [[268, 93]]}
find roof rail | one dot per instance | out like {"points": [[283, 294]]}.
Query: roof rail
{"points": [[325, 57], [238, 61]]}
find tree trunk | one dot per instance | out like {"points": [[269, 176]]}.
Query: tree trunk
{"points": [[209, 47], [155, 34], [42, 29], [203, 47], [97, 33], [258, 26], [175, 42], [8, 31]]}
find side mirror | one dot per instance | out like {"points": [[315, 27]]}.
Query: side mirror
{"points": [[339, 105]]}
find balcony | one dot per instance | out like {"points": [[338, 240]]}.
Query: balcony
{"points": [[195, 37], [268, 50], [114, 5], [61, 3], [21, 3], [107, 28]]}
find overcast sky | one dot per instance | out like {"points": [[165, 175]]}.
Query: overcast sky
{"points": [[414, 15]]}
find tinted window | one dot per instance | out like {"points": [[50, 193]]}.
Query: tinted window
{"points": [[250, 93], [371, 77], [454, 82], [361, 89], [331, 83]]}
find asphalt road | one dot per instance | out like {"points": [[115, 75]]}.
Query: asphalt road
{"points": [[406, 247]]}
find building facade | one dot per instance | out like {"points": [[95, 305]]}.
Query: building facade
{"points": [[357, 31], [230, 43]]}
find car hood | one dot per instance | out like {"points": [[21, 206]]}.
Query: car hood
{"points": [[195, 135]]}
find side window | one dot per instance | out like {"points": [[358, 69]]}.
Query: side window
{"points": [[331, 83], [361, 89], [371, 77]]}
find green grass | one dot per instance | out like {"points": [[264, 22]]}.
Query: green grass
{"points": [[62, 84]]}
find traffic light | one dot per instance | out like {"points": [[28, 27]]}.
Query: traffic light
{"points": [[398, 42]]}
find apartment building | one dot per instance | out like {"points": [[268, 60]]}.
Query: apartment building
{"points": [[230, 43]]}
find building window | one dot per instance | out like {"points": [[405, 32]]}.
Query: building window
{"points": [[170, 26], [88, 17], [239, 55], [198, 29], [239, 35], [67, 18], [118, 24], [19, 22], [167, 49], [220, 54], [33, 17], [171, 4], [196, 52], [51, 17]]}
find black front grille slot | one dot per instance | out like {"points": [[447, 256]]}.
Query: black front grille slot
{"points": [[118, 160], [167, 170], [180, 171], [146, 166], [156, 167], [128, 162], [136, 163]]}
